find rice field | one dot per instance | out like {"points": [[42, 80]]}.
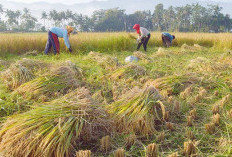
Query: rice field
{"points": [[172, 102]]}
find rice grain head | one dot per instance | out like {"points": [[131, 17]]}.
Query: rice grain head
{"points": [[152, 150], [83, 153]]}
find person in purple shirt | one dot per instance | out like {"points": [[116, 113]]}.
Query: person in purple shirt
{"points": [[167, 39], [53, 34]]}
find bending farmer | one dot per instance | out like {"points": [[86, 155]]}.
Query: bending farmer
{"points": [[167, 39], [144, 36], [53, 41]]}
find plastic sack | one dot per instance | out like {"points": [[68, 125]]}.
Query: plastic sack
{"points": [[131, 59]]}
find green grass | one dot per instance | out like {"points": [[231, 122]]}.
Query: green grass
{"points": [[176, 75]]}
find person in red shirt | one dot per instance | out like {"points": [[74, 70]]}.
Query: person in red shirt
{"points": [[144, 36]]}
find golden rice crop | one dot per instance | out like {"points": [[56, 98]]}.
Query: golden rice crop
{"points": [[190, 134], [135, 111], [130, 140], [105, 144], [54, 129], [161, 137], [189, 121], [142, 56], [162, 52], [210, 128], [173, 155], [190, 148], [216, 119]]}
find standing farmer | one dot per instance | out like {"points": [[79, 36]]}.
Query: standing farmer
{"points": [[167, 39], [144, 36], [53, 34]]}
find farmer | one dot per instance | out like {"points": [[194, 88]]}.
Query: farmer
{"points": [[53, 34], [167, 39], [144, 36]]}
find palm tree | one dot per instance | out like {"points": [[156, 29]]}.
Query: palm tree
{"points": [[44, 16]]}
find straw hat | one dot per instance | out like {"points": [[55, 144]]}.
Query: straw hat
{"points": [[70, 29]]}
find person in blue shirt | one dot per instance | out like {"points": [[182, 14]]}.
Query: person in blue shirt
{"points": [[53, 34], [167, 39]]}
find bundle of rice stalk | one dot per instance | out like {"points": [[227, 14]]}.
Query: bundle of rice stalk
{"points": [[142, 56], [199, 47], [152, 150], [106, 61], [119, 153], [216, 109], [129, 71], [56, 129], [59, 82], [190, 134], [137, 111], [186, 92], [32, 64], [202, 64], [162, 52], [224, 100], [16, 75], [193, 113], [176, 83], [187, 48], [189, 121], [83, 153], [105, 144], [77, 70]]}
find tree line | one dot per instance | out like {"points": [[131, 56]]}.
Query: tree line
{"points": [[188, 18]]}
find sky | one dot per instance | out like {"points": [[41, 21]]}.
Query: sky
{"points": [[56, 1]]}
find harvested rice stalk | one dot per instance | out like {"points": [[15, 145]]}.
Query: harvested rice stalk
{"points": [[131, 36], [31, 53], [77, 70], [216, 109], [32, 64], [193, 113], [62, 80], [105, 144], [161, 137], [152, 150], [119, 153], [131, 71], [210, 128], [170, 126], [162, 52], [16, 75], [83, 153], [173, 155], [106, 61], [137, 111], [202, 92], [55, 128], [190, 148], [189, 121], [202, 64], [142, 56], [216, 119], [130, 140], [216, 93]]}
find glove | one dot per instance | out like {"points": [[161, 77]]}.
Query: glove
{"points": [[70, 49]]}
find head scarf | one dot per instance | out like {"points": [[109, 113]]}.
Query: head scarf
{"points": [[137, 28], [69, 29]]}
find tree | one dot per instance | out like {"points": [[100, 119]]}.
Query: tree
{"points": [[12, 19], [158, 17], [44, 16], [28, 21]]}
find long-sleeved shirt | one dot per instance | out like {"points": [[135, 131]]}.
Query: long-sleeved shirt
{"points": [[168, 35], [62, 33], [144, 32]]}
